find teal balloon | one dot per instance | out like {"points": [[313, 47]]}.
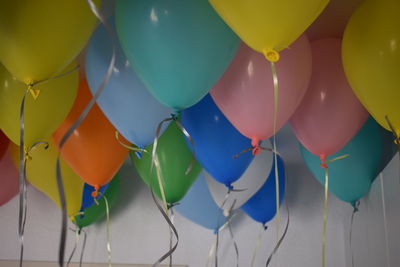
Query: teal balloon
{"points": [[178, 48], [351, 178]]}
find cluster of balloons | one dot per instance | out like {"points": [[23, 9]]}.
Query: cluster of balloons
{"points": [[215, 66]]}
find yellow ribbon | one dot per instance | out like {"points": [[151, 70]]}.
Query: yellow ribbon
{"points": [[324, 165]]}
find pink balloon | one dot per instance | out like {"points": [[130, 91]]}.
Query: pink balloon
{"points": [[9, 184], [245, 93], [330, 114]]}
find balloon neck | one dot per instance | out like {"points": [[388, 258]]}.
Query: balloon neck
{"points": [[271, 55], [230, 187], [323, 161], [255, 143], [34, 92], [139, 153], [95, 193], [176, 113]]}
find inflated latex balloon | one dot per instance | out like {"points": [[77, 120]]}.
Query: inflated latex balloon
{"points": [[371, 59], [250, 182], [174, 158], [330, 114], [4, 141], [92, 150], [40, 38], [269, 26], [178, 48], [41, 173], [125, 101], [216, 142], [199, 206], [261, 207], [43, 115], [245, 93], [351, 178], [9, 183]]}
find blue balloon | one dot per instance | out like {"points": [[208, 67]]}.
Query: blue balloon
{"points": [[87, 198], [199, 206], [178, 48], [216, 141], [351, 178], [125, 101], [262, 205]]}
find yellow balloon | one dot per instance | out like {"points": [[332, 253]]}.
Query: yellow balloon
{"points": [[371, 59], [41, 173], [269, 26], [43, 115], [39, 38]]}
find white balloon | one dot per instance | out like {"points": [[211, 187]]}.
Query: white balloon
{"points": [[251, 180]]}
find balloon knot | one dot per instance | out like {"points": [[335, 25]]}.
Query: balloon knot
{"points": [[271, 55], [95, 194], [27, 156], [265, 227], [256, 150], [72, 218], [139, 153], [324, 165], [215, 231], [34, 92], [323, 161], [229, 186]]}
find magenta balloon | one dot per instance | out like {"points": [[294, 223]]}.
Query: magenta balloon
{"points": [[330, 114], [8, 179], [245, 93]]}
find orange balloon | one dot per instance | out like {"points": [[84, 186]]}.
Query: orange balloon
{"points": [[92, 150]]}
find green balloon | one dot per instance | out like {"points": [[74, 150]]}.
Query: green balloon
{"points": [[174, 157], [96, 212]]}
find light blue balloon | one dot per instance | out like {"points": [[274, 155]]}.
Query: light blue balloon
{"points": [[179, 48], [199, 206], [125, 101], [351, 178]]}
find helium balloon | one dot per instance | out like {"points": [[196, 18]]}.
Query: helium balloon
{"points": [[216, 141], [330, 114], [351, 178], [174, 158], [371, 59], [92, 150], [245, 93], [40, 38], [250, 182], [269, 26], [262, 205], [199, 206], [3, 144], [125, 101], [43, 115], [8, 179], [97, 211], [41, 173], [178, 48]]}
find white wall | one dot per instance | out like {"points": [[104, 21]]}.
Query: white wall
{"points": [[139, 234]]}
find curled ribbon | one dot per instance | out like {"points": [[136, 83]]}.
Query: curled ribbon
{"points": [[355, 210], [75, 125], [324, 164]]}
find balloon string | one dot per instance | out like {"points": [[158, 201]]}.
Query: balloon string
{"points": [[108, 231], [75, 125], [77, 236], [130, 147], [396, 136], [355, 209], [211, 252], [276, 109], [284, 232], [325, 216], [170, 224], [83, 248], [258, 244], [171, 235], [385, 220], [24, 157], [216, 249]]}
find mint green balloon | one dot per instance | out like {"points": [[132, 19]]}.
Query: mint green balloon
{"points": [[351, 178], [179, 48]]}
